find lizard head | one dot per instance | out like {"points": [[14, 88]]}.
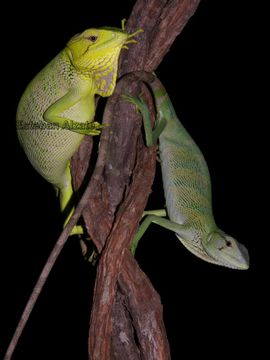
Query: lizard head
{"points": [[226, 251], [95, 53]]}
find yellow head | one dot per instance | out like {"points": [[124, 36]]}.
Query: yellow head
{"points": [[95, 53]]}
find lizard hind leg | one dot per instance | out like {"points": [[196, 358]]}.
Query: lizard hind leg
{"points": [[66, 196]]}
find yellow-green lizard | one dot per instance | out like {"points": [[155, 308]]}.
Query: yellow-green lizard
{"points": [[58, 106], [55, 112], [187, 186]]}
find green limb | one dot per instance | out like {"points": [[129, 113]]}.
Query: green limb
{"points": [[123, 23], [167, 224], [158, 129], [54, 115], [89, 128], [160, 213], [66, 196], [151, 136], [78, 229]]}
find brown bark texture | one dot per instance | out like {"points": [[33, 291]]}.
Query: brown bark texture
{"points": [[126, 320]]}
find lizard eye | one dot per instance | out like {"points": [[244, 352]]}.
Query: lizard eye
{"points": [[228, 243], [93, 38]]}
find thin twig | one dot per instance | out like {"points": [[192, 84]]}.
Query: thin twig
{"points": [[44, 276], [60, 243]]}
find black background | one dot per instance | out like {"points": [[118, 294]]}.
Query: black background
{"points": [[209, 311]]}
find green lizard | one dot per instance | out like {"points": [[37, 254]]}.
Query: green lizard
{"points": [[58, 106], [54, 113], [187, 186]]}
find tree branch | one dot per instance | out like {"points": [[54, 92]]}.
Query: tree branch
{"points": [[120, 191]]}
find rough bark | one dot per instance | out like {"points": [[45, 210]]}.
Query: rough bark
{"points": [[126, 320]]}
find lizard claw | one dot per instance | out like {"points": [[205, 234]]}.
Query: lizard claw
{"points": [[94, 128], [137, 101]]}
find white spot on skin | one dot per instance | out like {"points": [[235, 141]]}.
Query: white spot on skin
{"points": [[123, 337]]}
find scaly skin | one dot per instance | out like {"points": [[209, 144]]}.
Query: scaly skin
{"points": [[187, 187], [58, 107], [55, 112]]}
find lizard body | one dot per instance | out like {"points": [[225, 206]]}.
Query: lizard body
{"points": [[58, 106], [54, 113], [187, 186]]}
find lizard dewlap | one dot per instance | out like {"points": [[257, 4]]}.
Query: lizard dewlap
{"points": [[58, 107]]}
